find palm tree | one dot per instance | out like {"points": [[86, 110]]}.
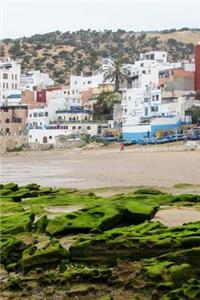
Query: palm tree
{"points": [[116, 72]]}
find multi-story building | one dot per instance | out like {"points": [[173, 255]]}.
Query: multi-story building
{"points": [[145, 107], [13, 119], [34, 79], [9, 78]]}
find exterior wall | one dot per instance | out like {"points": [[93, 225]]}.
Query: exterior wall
{"points": [[27, 97], [197, 68], [146, 131], [83, 83], [72, 116], [12, 142], [165, 124], [50, 135], [41, 96], [37, 118], [35, 78], [131, 132], [9, 77], [13, 119]]}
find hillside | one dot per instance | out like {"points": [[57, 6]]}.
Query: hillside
{"points": [[60, 54]]}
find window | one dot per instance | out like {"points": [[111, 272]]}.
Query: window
{"points": [[7, 85], [35, 115], [153, 98], [30, 115], [36, 140], [79, 127], [15, 86], [143, 72], [157, 97], [12, 76], [30, 136], [89, 82], [50, 137], [5, 76], [15, 77], [40, 114], [3, 85], [88, 127], [75, 82], [12, 86], [46, 114], [73, 127]]}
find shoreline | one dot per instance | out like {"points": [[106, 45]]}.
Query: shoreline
{"points": [[102, 167]]}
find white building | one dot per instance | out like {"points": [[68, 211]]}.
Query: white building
{"points": [[142, 104], [83, 83], [51, 134], [9, 78], [34, 78]]}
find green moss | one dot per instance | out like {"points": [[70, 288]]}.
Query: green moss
{"points": [[11, 186], [8, 206], [11, 250], [41, 224], [13, 224], [136, 242], [32, 186], [53, 253], [149, 191], [157, 269], [186, 198]]}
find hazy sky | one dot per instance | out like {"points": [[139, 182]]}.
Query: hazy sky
{"points": [[28, 17]]}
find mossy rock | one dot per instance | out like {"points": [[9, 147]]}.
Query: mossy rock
{"points": [[13, 224], [49, 256], [32, 186], [7, 206], [190, 290], [11, 186], [86, 274], [23, 193], [149, 239], [101, 217], [149, 191], [41, 224], [186, 198], [11, 250]]}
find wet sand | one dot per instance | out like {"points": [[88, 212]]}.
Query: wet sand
{"points": [[177, 216], [101, 168]]}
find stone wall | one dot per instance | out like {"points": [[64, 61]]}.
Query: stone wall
{"points": [[13, 143]]}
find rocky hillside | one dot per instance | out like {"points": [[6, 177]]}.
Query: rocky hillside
{"points": [[60, 54]]}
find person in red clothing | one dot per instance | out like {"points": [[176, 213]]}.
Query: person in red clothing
{"points": [[122, 147]]}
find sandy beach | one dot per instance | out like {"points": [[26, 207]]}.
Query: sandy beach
{"points": [[104, 167]]}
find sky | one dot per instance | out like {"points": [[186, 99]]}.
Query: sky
{"points": [[20, 18]]}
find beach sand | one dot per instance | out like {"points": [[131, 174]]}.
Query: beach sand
{"points": [[104, 167]]}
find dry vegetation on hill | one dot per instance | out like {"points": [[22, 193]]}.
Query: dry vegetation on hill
{"points": [[60, 54]]}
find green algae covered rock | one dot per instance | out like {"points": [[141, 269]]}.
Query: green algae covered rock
{"points": [[11, 186], [190, 290], [186, 198], [11, 250], [52, 254], [19, 222], [41, 224], [32, 186], [85, 273], [101, 218], [149, 191], [149, 239]]}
